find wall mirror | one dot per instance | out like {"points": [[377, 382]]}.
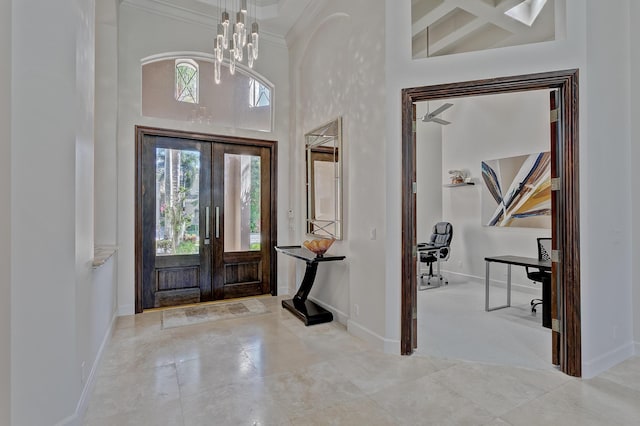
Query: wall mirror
{"points": [[324, 180]]}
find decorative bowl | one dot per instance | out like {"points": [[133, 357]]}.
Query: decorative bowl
{"points": [[319, 247]]}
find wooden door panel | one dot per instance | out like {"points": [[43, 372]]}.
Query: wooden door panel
{"points": [[242, 253], [243, 275], [175, 184], [177, 278]]}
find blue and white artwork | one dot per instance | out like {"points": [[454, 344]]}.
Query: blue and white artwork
{"points": [[517, 191]]}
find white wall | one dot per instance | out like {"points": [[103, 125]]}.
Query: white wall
{"points": [[5, 211], [488, 128], [337, 69], [106, 124], [429, 171], [606, 185], [634, 17], [143, 33], [61, 308], [43, 208], [604, 145]]}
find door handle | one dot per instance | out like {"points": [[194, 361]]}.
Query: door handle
{"points": [[207, 230], [217, 222]]}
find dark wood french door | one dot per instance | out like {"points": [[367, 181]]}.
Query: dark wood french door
{"points": [[205, 220]]}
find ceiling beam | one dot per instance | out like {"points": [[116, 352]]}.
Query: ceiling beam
{"points": [[494, 15]]}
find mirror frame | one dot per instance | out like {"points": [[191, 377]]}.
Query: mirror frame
{"points": [[324, 141]]}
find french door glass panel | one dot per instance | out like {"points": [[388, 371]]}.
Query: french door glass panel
{"points": [[242, 203], [177, 202]]}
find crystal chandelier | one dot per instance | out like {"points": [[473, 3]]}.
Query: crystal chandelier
{"points": [[234, 38]]}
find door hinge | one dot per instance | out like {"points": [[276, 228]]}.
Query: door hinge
{"points": [[414, 251], [555, 325], [415, 312], [414, 187], [556, 256], [555, 184], [413, 126], [554, 115]]}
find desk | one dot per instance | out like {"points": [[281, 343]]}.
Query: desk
{"points": [[544, 265], [307, 311]]}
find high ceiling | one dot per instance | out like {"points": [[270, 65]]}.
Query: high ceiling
{"points": [[441, 27], [274, 16]]}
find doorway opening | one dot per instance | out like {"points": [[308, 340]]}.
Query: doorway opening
{"points": [[205, 218], [565, 288]]}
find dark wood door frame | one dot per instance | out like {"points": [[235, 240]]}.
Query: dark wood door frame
{"points": [[567, 235], [141, 132]]}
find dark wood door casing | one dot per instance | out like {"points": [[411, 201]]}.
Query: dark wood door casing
{"points": [[568, 204], [140, 188]]}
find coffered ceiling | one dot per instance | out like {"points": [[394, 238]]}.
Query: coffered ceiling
{"points": [[441, 27]]}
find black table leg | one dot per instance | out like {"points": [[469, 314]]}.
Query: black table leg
{"points": [[307, 311]]}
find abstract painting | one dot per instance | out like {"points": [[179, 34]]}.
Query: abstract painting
{"points": [[517, 191]]}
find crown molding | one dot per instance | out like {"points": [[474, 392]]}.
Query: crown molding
{"points": [[190, 16]]}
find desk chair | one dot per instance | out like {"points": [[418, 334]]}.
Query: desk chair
{"points": [[544, 253], [436, 250]]}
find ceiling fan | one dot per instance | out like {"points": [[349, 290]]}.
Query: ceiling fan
{"points": [[433, 116]]}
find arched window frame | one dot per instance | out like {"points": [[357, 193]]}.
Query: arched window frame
{"points": [[191, 85], [185, 56]]}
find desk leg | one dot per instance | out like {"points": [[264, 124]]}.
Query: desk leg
{"points": [[486, 289], [509, 285], [307, 311]]}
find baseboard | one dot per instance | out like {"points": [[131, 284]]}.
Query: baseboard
{"points": [[124, 310], [606, 361], [283, 290], [83, 402], [338, 315], [374, 339]]}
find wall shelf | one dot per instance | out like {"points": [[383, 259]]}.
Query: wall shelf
{"points": [[453, 185]]}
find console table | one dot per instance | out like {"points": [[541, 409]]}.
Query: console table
{"points": [[307, 311]]}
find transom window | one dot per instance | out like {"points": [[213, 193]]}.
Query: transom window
{"points": [[172, 89], [259, 95], [186, 81]]}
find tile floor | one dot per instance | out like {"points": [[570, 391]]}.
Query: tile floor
{"points": [[272, 370]]}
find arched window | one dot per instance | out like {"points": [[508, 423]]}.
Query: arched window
{"points": [[186, 81], [172, 89], [259, 95]]}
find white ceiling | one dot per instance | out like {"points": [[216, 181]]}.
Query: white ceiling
{"points": [[274, 16]]}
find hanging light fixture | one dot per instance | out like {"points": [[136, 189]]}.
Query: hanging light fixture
{"points": [[231, 40]]}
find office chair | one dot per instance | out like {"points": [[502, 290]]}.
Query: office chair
{"points": [[436, 250], [544, 253]]}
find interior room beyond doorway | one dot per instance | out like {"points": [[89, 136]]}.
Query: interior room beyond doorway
{"points": [[452, 322]]}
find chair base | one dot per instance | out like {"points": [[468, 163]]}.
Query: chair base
{"points": [[441, 281]]}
